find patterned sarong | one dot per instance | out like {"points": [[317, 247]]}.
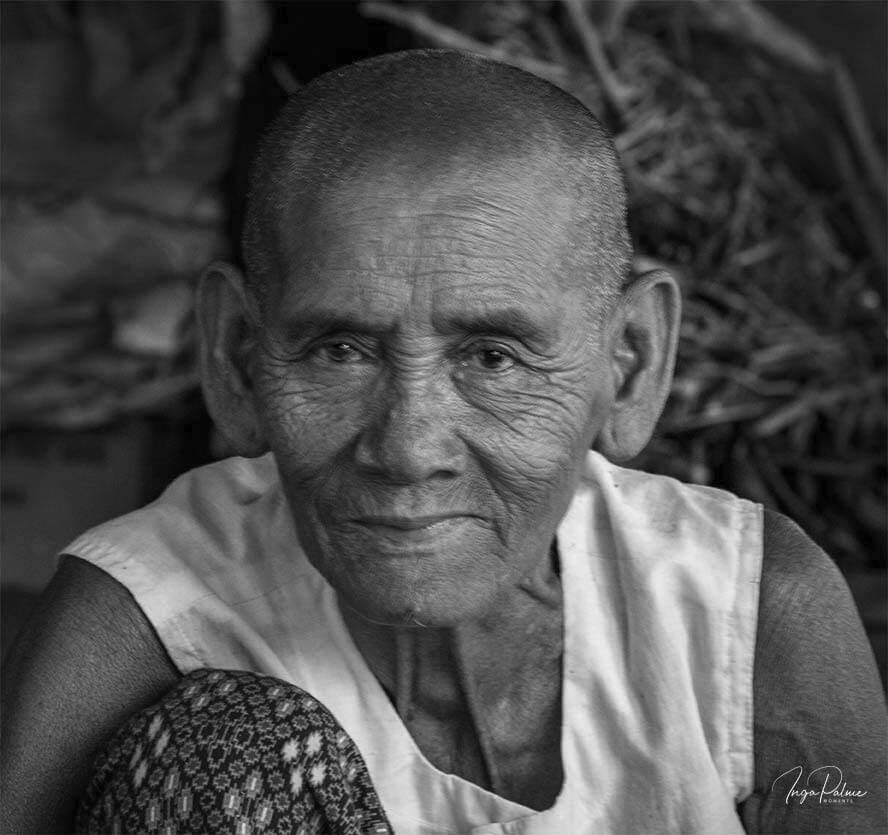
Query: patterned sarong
{"points": [[232, 752]]}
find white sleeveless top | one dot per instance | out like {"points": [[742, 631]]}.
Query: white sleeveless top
{"points": [[660, 582]]}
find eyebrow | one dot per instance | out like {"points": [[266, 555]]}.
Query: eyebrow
{"points": [[508, 321], [313, 323]]}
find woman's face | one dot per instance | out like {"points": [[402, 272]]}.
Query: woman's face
{"points": [[429, 378]]}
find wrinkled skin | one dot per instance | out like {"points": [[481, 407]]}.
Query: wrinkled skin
{"points": [[429, 377]]}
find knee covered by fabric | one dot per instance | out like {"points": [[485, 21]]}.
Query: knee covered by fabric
{"points": [[232, 752]]}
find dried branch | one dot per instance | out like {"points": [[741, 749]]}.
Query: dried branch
{"points": [[859, 128], [746, 20], [618, 95]]}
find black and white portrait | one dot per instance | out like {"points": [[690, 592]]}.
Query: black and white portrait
{"points": [[443, 418]]}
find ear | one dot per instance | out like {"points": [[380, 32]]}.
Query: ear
{"points": [[643, 342], [226, 321]]}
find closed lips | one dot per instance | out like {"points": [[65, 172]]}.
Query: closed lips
{"points": [[409, 523]]}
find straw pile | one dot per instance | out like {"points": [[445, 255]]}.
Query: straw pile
{"points": [[117, 131], [754, 177]]}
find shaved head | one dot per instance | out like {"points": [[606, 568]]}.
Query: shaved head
{"points": [[423, 116]]}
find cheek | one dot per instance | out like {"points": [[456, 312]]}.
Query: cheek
{"points": [[308, 426], [537, 434]]}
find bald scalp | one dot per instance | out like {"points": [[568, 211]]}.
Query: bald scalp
{"points": [[423, 114]]}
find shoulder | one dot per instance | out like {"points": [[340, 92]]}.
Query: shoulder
{"points": [[211, 513], [86, 660], [84, 603], [665, 502], [200, 538], [799, 585], [817, 696], [806, 609], [791, 556]]}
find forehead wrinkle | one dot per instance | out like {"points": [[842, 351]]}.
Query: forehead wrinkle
{"points": [[518, 302], [487, 236], [307, 290], [429, 252], [438, 113], [499, 193], [488, 245]]}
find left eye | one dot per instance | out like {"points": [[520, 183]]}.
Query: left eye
{"points": [[489, 359], [340, 352]]}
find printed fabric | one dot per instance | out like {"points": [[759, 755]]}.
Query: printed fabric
{"points": [[232, 752]]}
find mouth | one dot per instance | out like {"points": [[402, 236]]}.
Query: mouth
{"points": [[411, 523], [411, 532]]}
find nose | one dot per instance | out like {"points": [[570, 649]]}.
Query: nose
{"points": [[411, 437]]}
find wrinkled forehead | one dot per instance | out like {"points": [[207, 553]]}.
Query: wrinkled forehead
{"points": [[478, 203], [525, 209], [453, 235], [384, 249]]}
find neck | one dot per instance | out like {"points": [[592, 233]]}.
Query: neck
{"points": [[442, 667], [505, 663]]}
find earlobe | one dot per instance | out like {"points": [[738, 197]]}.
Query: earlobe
{"points": [[225, 324], [642, 349]]}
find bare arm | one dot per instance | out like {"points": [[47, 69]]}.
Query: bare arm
{"points": [[818, 698], [86, 660]]}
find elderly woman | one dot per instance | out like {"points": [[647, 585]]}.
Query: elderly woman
{"points": [[459, 618]]}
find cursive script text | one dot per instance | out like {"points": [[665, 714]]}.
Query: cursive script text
{"points": [[826, 784]]}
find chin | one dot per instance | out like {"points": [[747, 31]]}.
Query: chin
{"points": [[433, 605]]}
